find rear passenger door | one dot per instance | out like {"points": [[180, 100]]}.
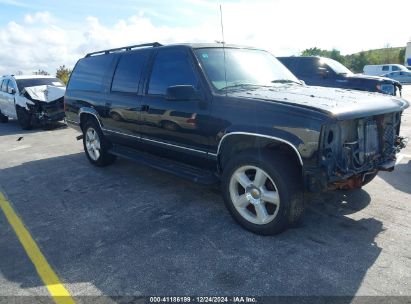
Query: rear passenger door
{"points": [[7, 100], [175, 128], [2, 97], [123, 109]]}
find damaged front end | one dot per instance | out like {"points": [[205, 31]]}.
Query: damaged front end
{"points": [[44, 103], [353, 149]]}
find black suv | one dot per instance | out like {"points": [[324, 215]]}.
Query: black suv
{"points": [[326, 72], [233, 115]]}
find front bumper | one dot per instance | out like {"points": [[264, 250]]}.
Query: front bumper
{"points": [[47, 112], [317, 180]]}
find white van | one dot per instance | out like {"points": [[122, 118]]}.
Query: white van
{"points": [[380, 69]]}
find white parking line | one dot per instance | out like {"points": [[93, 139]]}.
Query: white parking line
{"points": [[19, 148]]}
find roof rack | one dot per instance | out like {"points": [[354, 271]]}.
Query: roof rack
{"points": [[125, 48]]}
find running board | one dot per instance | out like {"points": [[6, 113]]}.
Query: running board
{"points": [[182, 170]]}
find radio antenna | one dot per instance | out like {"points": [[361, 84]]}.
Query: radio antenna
{"points": [[223, 42]]}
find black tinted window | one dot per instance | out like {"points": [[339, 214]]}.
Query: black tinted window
{"points": [[90, 73], [301, 66], [4, 85], [11, 86], [156, 111], [181, 114], [128, 72], [395, 68], [171, 67], [25, 83], [385, 68]]}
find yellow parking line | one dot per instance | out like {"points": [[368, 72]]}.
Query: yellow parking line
{"points": [[56, 289]]}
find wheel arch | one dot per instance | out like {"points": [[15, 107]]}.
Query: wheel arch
{"points": [[235, 142], [86, 113]]}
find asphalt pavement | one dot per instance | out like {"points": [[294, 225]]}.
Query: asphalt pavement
{"points": [[129, 230]]}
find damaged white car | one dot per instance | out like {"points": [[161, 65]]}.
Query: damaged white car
{"points": [[32, 99]]}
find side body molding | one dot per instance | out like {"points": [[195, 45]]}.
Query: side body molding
{"points": [[259, 135]]}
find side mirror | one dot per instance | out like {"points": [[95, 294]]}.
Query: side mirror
{"points": [[302, 82], [12, 91], [324, 72], [182, 92]]}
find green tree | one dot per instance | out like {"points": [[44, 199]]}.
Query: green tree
{"points": [[41, 72], [63, 73], [312, 52]]}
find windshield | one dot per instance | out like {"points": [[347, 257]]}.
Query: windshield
{"points": [[24, 83], [244, 68], [337, 67]]}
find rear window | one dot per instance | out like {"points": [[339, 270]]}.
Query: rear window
{"points": [[128, 72], [90, 73], [25, 83], [301, 66]]}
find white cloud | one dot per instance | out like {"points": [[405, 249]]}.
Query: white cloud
{"points": [[283, 27], [39, 17]]}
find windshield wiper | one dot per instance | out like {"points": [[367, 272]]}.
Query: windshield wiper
{"points": [[240, 86], [285, 81]]}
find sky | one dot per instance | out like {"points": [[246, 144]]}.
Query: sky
{"points": [[45, 34]]}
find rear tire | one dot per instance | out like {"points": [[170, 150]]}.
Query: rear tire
{"points": [[263, 191], [24, 117], [3, 118], [95, 145]]}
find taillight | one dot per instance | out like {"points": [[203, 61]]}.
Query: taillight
{"points": [[64, 104], [191, 121]]}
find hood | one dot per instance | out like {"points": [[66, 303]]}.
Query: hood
{"points": [[45, 93], [339, 103], [375, 78]]}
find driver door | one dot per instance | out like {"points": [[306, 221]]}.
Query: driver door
{"points": [[174, 127]]}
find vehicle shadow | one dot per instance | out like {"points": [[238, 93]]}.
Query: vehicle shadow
{"points": [[12, 127], [401, 179], [128, 230]]}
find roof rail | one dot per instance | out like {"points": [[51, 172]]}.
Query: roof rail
{"points": [[125, 48]]}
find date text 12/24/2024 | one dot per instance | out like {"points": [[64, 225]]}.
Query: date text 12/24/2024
{"points": [[186, 299]]}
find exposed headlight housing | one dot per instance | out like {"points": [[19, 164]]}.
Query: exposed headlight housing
{"points": [[386, 88]]}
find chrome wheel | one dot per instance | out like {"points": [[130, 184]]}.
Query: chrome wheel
{"points": [[254, 195], [93, 144]]}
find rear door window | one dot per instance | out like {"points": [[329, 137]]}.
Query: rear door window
{"points": [[4, 85], [308, 66], [91, 72], [128, 72], [171, 67], [385, 68]]}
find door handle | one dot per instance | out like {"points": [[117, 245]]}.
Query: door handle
{"points": [[145, 108]]}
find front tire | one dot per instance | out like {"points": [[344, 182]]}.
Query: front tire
{"points": [[368, 178], [24, 118], [263, 191], [96, 145]]}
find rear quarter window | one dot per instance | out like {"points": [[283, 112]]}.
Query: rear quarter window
{"points": [[91, 72], [4, 85]]}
